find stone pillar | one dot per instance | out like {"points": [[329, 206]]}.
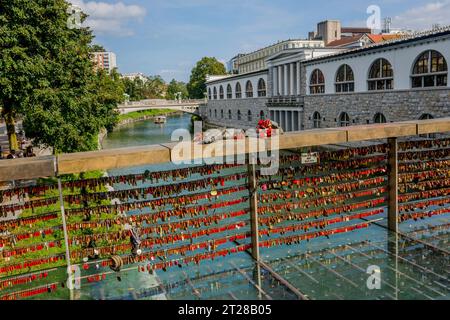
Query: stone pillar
{"points": [[292, 80], [275, 81], [280, 80], [286, 80], [253, 188], [299, 79], [293, 113], [286, 120]]}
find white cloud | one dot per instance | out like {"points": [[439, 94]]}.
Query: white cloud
{"points": [[423, 17], [111, 19]]}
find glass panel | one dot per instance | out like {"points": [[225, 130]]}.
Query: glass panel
{"points": [[421, 65], [441, 81], [387, 69], [429, 81], [340, 77], [417, 82], [322, 225], [375, 71], [349, 74], [389, 84]]}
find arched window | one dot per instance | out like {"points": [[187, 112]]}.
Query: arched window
{"points": [[238, 91], [379, 118], [344, 119], [229, 92], [381, 75], [215, 93], [210, 113], [345, 80], [430, 70], [221, 114], [317, 82], [239, 115], [209, 94], [215, 113], [221, 92], [249, 116], [229, 115], [249, 89], [317, 119], [262, 116], [261, 88]]}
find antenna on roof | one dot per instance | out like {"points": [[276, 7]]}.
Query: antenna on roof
{"points": [[387, 25], [436, 26]]}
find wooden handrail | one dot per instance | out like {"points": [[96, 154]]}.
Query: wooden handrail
{"points": [[30, 168]]}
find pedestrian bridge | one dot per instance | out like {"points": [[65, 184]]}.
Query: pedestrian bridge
{"points": [[342, 203], [187, 106]]}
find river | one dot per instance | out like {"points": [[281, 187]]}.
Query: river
{"points": [[146, 132]]}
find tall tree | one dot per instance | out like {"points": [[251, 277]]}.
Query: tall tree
{"points": [[46, 75], [97, 48], [197, 83], [175, 87], [155, 88]]}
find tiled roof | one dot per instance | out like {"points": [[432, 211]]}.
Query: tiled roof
{"points": [[344, 41], [377, 38]]}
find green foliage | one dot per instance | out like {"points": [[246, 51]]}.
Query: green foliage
{"points": [[46, 75], [174, 88], [153, 88], [148, 113], [197, 83], [97, 48]]}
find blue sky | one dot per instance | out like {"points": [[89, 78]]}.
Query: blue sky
{"points": [[167, 37]]}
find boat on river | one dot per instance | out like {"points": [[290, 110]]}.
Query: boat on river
{"points": [[160, 119]]}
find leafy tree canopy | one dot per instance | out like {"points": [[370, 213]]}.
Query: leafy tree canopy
{"points": [[47, 77], [197, 83], [175, 87], [154, 87]]}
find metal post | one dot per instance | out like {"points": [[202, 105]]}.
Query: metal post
{"points": [[66, 235], [257, 278], [253, 189], [393, 185]]}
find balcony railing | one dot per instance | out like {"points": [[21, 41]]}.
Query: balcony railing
{"points": [[286, 100]]}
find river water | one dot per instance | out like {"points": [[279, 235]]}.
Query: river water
{"points": [[146, 132]]}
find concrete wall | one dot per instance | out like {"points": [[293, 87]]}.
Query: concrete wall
{"points": [[362, 107]]}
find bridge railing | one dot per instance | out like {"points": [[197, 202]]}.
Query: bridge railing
{"points": [[161, 102], [329, 182]]}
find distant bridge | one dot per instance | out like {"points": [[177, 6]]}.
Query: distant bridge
{"points": [[188, 106]]}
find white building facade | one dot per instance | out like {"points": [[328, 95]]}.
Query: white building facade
{"points": [[404, 79], [237, 101], [256, 61]]}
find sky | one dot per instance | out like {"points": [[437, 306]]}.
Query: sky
{"points": [[167, 37]]}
